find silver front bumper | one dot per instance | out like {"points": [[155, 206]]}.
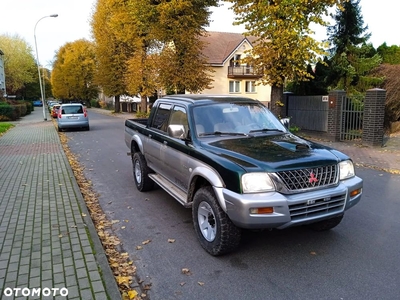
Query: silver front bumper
{"points": [[290, 210]]}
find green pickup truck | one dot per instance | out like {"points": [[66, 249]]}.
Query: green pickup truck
{"points": [[231, 161]]}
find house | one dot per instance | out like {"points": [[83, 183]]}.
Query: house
{"points": [[224, 51]]}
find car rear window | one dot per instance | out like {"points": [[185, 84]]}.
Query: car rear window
{"points": [[73, 109]]}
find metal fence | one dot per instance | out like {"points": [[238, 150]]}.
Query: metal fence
{"points": [[351, 118]]}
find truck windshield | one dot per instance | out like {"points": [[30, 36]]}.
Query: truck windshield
{"points": [[235, 118]]}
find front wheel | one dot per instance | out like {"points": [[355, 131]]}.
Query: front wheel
{"points": [[326, 224], [141, 173], [215, 231]]}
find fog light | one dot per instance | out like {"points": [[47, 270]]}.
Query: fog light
{"points": [[261, 210], [355, 192]]}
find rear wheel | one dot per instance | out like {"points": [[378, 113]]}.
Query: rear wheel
{"points": [[141, 173], [215, 231], [326, 224]]}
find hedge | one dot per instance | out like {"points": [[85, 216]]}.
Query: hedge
{"points": [[13, 112]]}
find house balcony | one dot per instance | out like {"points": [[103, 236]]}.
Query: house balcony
{"points": [[242, 72]]}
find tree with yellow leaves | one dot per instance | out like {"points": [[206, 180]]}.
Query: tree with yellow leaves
{"points": [[143, 46], [19, 64], [284, 41], [111, 51], [73, 72], [180, 27]]}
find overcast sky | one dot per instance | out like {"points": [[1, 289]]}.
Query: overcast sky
{"points": [[20, 17]]}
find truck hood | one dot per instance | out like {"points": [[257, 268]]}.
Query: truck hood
{"points": [[273, 153]]}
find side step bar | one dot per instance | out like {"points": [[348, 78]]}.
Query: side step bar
{"points": [[178, 194]]}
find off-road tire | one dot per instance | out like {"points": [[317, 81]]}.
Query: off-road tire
{"points": [[215, 231], [141, 173], [326, 224]]}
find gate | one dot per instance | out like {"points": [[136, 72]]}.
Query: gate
{"points": [[351, 118], [308, 112]]}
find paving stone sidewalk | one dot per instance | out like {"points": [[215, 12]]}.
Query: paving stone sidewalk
{"points": [[48, 243]]}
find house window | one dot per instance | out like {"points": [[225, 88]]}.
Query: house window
{"points": [[235, 61], [250, 86], [234, 86]]}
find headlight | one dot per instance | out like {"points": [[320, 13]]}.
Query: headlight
{"points": [[257, 182], [346, 170]]}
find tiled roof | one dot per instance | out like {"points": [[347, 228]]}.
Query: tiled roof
{"points": [[220, 45]]}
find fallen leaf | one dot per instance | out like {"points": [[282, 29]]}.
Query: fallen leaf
{"points": [[123, 279], [114, 221], [182, 283], [186, 271], [132, 294], [313, 253], [139, 247], [122, 227], [60, 235], [200, 283], [146, 242], [171, 240], [83, 215]]}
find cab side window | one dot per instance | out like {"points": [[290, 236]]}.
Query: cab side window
{"points": [[160, 120], [178, 117]]}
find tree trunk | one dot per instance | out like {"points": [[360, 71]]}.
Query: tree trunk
{"points": [[143, 104], [117, 106], [277, 100]]}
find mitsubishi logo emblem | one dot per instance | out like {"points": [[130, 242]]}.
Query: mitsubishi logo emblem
{"points": [[312, 178]]}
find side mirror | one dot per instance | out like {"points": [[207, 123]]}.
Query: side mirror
{"points": [[177, 131]]}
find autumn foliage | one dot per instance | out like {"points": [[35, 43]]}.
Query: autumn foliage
{"points": [[285, 42], [73, 71], [391, 83]]}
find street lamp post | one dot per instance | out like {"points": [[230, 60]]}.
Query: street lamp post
{"points": [[38, 63]]}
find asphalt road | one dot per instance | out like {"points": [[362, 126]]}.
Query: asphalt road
{"points": [[359, 259]]}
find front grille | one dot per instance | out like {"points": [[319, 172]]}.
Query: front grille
{"points": [[309, 178], [317, 207]]}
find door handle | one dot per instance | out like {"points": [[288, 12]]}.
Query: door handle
{"points": [[150, 136]]}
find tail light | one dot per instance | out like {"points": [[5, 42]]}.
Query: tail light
{"points": [[84, 112], [59, 114]]}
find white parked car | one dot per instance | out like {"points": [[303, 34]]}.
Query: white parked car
{"points": [[72, 116]]}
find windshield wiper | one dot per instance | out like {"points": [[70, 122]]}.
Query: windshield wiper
{"points": [[222, 133], [265, 130]]}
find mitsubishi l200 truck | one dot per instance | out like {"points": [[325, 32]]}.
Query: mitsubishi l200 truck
{"points": [[231, 161]]}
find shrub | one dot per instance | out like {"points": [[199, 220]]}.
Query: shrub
{"points": [[140, 114], [7, 112], [18, 111], [95, 103], [29, 107]]}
